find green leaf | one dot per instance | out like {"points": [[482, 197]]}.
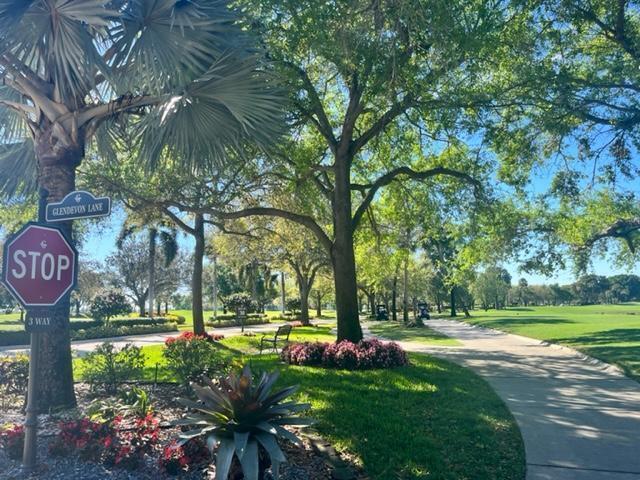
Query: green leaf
{"points": [[240, 439], [271, 446], [250, 461], [224, 457]]}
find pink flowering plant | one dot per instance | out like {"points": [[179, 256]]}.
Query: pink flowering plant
{"points": [[12, 440], [366, 354]]}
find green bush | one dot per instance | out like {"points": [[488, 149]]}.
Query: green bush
{"points": [[109, 305], [89, 330], [253, 319], [14, 374], [179, 319], [108, 331], [192, 356], [108, 367]]}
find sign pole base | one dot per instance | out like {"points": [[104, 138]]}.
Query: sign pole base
{"points": [[29, 457]]}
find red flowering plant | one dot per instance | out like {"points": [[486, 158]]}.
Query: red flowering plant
{"points": [[366, 354], [131, 442], [191, 356], [84, 437], [111, 443], [178, 457], [12, 440]]}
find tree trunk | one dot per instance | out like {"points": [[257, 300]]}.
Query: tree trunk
{"points": [[405, 293], [372, 304], [54, 388], [283, 298], [318, 304], [196, 279], [141, 307], [304, 305], [394, 299], [342, 255], [77, 308], [166, 308], [453, 302], [153, 233]]}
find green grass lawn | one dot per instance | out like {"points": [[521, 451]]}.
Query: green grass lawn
{"points": [[431, 419], [608, 332], [397, 331]]}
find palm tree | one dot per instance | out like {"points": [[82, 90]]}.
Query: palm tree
{"points": [[157, 230], [178, 75]]}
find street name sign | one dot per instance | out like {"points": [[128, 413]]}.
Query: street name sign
{"points": [[77, 205], [39, 266]]}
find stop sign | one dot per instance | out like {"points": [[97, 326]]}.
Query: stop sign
{"points": [[39, 265]]}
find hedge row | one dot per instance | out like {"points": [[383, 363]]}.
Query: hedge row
{"points": [[102, 331], [250, 320]]}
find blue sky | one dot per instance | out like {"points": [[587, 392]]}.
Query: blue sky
{"points": [[100, 243]]}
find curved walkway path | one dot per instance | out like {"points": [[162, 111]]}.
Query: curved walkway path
{"points": [[580, 419]]}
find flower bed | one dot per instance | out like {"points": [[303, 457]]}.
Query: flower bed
{"points": [[366, 354]]}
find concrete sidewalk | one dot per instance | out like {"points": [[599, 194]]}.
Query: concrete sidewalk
{"points": [[580, 420], [82, 347]]}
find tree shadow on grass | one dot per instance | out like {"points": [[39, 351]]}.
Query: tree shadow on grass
{"points": [[604, 337], [432, 419], [525, 320]]}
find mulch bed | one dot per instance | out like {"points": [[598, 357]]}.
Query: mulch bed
{"points": [[305, 463]]}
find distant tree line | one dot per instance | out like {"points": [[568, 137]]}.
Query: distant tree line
{"points": [[587, 290]]}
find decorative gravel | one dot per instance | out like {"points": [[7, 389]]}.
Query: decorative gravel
{"points": [[304, 463]]}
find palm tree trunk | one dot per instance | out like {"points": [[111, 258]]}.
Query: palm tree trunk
{"points": [[153, 233], [54, 388], [196, 279]]}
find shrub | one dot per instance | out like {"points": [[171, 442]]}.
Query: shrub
{"points": [[179, 319], [106, 306], [12, 440], [191, 356], [14, 374], [252, 319], [176, 458], [293, 305], [238, 300], [108, 331], [296, 324], [107, 367], [246, 420], [366, 354], [110, 443]]}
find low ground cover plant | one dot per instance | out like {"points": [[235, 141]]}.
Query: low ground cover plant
{"points": [[179, 457], [115, 443], [107, 367], [12, 440], [192, 356], [366, 354]]}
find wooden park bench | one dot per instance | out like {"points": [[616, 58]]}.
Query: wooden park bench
{"points": [[281, 336]]}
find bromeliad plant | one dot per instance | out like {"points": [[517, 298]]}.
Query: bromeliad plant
{"points": [[244, 420]]}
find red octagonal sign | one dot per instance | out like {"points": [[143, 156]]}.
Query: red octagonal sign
{"points": [[39, 265]]}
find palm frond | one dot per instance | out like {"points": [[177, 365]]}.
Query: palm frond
{"points": [[18, 169], [231, 105], [167, 43]]}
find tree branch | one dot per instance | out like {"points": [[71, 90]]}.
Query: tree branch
{"points": [[389, 177], [379, 125], [623, 228]]}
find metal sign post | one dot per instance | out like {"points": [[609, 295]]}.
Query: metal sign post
{"points": [[40, 268]]}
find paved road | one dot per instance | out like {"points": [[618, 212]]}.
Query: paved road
{"points": [[82, 347], [580, 420]]}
